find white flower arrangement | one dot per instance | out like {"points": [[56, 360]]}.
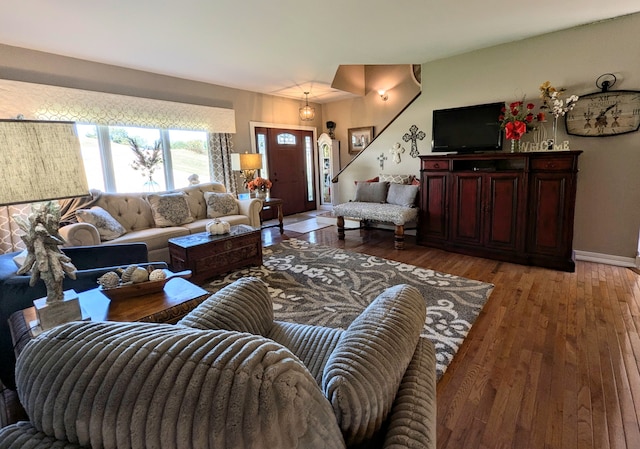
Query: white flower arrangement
{"points": [[560, 107]]}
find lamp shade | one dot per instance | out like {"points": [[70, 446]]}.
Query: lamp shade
{"points": [[40, 161], [246, 161]]}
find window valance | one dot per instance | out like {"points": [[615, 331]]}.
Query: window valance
{"points": [[44, 102]]}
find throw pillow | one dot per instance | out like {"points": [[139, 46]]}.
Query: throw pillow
{"points": [[402, 195], [170, 209], [220, 204], [371, 192], [398, 179], [364, 371], [108, 227]]}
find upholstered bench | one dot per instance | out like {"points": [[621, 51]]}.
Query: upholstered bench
{"points": [[381, 202]]}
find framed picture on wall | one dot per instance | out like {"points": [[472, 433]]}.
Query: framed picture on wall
{"points": [[359, 138]]}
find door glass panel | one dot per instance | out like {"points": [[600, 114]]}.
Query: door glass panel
{"points": [[88, 135], [286, 139], [189, 157], [308, 155], [144, 177]]}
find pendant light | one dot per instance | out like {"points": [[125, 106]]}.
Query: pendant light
{"points": [[307, 113]]}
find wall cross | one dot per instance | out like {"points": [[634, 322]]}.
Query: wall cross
{"points": [[413, 135], [382, 158]]}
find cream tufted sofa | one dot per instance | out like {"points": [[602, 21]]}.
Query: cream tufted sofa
{"points": [[229, 376], [133, 212]]}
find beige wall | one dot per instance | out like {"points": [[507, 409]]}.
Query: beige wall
{"points": [[607, 216], [37, 67]]}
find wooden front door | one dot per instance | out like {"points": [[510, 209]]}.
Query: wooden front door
{"points": [[291, 168]]}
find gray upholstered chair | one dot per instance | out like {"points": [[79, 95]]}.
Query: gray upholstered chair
{"points": [[229, 376]]}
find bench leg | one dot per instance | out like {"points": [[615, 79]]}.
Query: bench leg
{"points": [[399, 237], [340, 228]]}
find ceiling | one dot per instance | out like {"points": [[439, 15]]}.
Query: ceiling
{"points": [[283, 47]]}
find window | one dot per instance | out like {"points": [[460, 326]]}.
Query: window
{"points": [[189, 156], [88, 135], [127, 178], [110, 160]]}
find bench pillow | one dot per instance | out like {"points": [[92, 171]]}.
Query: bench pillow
{"points": [[371, 192], [402, 195], [397, 179]]}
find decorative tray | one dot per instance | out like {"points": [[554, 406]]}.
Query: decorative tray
{"points": [[142, 288]]}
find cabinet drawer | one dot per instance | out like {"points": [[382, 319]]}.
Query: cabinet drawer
{"points": [[435, 164], [554, 164]]}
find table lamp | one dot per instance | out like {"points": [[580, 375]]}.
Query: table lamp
{"points": [[246, 164], [40, 161]]}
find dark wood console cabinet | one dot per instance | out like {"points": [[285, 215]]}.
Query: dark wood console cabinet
{"points": [[516, 207]]}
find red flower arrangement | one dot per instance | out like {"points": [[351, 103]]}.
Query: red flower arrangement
{"points": [[259, 184], [518, 119]]}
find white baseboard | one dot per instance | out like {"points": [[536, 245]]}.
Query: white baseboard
{"points": [[608, 259]]}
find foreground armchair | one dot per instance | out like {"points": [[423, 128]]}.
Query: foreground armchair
{"points": [[261, 384]]}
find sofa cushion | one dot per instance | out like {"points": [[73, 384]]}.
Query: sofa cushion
{"points": [[108, 227], [402, 195], [371, 192], [105, 384], [155, 238], [364, 371], [220, 204], [243, 306], [170, 209]]}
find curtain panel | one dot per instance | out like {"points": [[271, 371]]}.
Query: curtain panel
{"points": [[220, 149], [10, 233]]}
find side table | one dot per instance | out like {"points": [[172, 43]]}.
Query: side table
{"points": [[177, 299], [269, 203]]}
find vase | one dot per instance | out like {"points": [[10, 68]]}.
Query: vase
{"points": [[515, 145], [554, 143], [540, 136], [261, 194]]}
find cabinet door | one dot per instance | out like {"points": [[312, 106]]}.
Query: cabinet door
{"points": [[503, 211], [550, 214], [434, 223], [468, 205]]}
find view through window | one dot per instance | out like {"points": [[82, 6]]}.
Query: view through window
{"points": [[112, 164]]}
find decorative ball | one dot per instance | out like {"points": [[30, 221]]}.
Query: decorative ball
{"points": [[109, 280], [157, 275], [139, 275], [128, 272], [217, 227]]}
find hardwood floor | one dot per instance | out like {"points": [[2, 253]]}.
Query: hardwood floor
{"points": [[553, 360]]}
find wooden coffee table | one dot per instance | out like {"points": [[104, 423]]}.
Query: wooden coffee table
{"points": [[208, 256], [177, 299]]}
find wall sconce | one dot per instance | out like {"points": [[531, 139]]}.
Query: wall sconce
{"points": [[383, 94], [247, 164], [307, 113]]}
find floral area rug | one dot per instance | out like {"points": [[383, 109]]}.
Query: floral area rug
{"points": [[315, 284]]}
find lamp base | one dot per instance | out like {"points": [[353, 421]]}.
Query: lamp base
{"points": [[53, 314]]}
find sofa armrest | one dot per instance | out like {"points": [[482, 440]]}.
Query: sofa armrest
{"points": [[251, 208], [80, 234], [412, 422]]}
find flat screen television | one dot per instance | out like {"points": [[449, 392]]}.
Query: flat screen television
{"points": [[467, 129]]}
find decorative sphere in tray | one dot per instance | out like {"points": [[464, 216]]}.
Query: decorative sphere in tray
{"points": [[131, 281]]}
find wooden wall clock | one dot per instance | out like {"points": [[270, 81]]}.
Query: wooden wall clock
{"points": [[607, 113]]}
